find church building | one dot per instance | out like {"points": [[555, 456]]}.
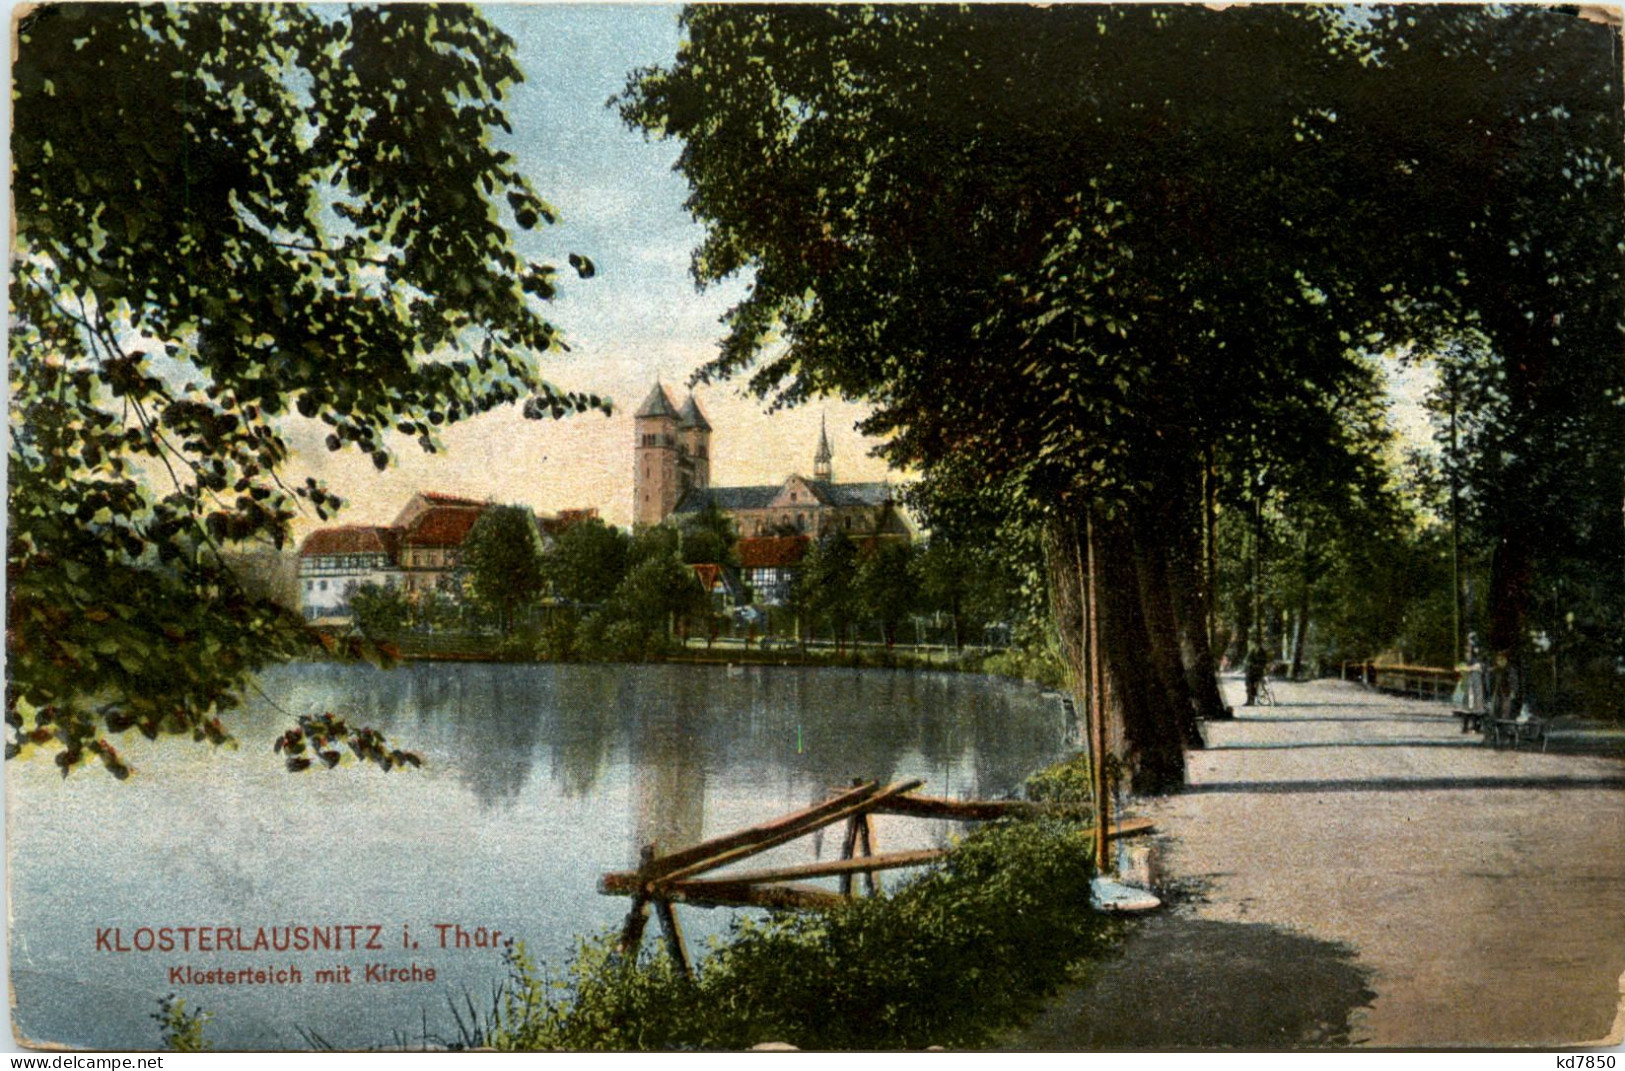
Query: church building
{"points": [[673, 477]]}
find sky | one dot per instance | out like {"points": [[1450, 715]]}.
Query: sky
{"points": [[640, 318]]}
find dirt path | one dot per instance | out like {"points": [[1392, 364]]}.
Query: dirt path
{"points": [[1355, 870]]}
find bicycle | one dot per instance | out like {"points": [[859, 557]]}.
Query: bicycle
{"points": [[1265, 697]]}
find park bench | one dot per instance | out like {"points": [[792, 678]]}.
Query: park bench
{"points": [[1517, 730]]}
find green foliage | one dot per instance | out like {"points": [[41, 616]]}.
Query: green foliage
{"points": [[228, 219], [884, 587], [381, 610], [502, 559], [320, 738], [1067, 781], [659, 599], [947, 959], [826, 583], [181, 1029], [655, 541], [1041, 663], [587, 561], [1523, 268], [558, 640], [709, 537]]}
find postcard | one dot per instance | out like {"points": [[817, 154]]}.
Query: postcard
{"points": [[627, 527]]}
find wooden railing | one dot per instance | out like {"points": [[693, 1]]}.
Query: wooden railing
{"points": [[1425, 682], [660, 881]]}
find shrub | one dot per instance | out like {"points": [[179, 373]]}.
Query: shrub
{"points": [[181, 1030], [1067, 781], [948, 959]]}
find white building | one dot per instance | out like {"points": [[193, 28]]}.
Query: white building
{"points": [[333, 562]]}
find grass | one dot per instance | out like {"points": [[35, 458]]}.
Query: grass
{"points": [[951, 958]]}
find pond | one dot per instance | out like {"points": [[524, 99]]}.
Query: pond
{"points": [[537, 779]]}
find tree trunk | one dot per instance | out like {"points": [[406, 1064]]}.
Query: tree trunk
{"points": [[1192, 613], [1152, 726], [1163, 635], [1143, 733], [1300, 635]]}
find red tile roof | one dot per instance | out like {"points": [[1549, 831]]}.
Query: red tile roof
{"points": [[449, 500], [772, 552], [565, 519], [350, 539], [443, 526]]}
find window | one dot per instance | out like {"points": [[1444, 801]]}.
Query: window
{"points": [[322, 585]]}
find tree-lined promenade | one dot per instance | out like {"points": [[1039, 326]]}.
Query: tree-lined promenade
{"points": [[1353, 870]]}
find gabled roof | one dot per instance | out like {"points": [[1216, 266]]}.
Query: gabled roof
{"points": [[852, 494], [773, 552], [691, 417], [423, 501], [443, 526], [350, 539], [657, 404], [727, 499]]}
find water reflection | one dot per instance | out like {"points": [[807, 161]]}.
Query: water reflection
{"points": [[538, 779]]}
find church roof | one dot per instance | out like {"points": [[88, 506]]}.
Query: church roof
{"points": [[657, 404], [828, 493], [728, 499], [851, 494], [691, 417]]}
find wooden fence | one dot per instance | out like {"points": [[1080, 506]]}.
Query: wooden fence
{"points": [[661, 881], [1424, 682]]}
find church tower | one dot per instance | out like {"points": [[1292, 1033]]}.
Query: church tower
{"points": [[823, 459], [655, 489], [695, 433]]}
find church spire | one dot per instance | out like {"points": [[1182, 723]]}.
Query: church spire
{"points": [[822, 469]]}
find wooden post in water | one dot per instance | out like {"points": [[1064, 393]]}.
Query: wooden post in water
{"points": [[866, 840], [859, 837], [1097, 710], [849, 845], [637, 917], [674, 935]]}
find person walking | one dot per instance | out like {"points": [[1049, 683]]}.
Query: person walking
{"points": [[1257, 665]]}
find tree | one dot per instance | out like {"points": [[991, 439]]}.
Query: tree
{"points": [[1522, 261], [587, 561], [659, 595], [886, 588], [381, 611], [229, 218], [1078, 250], [709, 537], [826, 583], [502, 558]]}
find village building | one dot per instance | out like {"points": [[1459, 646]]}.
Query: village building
{"points": [[432, 528], [769, 565], [419, 552], [333, 562]]}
